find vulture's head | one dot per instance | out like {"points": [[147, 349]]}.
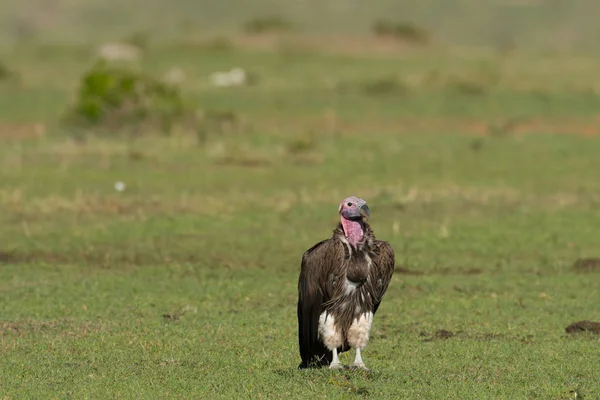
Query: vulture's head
{"points": [[354, 209], [354, 214]]}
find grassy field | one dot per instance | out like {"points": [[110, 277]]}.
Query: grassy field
{"points": [[481, 170]]}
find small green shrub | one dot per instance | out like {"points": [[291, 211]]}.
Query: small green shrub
{"points": [[302, 144], [7, 74], [267, 24], [217, 123], [218, 43], [505, 127], [118, 98], [382, 86], [406, 31], [468, 87], [385, 85], [139, 39]]}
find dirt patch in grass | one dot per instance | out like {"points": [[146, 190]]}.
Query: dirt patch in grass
{"points": [[440, 334], [587, 265], [458, 271], [8, 258], [21, 131], [444, 334], [16, 258], [88, 204], [124, 255], [61, 327], [439, 271], [98, 258], [334, 44], [335, 124], [176, 314], [583, 326], [243, 161], [406, 271]]}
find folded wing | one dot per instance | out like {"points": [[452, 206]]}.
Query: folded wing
{"points": [[384, 263], [315, 287]]}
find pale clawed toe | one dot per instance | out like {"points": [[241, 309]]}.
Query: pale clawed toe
{"points": [[360, 366], [335, 366]]}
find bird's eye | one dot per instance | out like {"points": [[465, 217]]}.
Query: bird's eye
{"points": [[349, 204]]}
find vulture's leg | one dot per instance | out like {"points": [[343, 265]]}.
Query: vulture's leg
{"points": [[331, 337], [358, 337], [335, 363], [358, 362]]}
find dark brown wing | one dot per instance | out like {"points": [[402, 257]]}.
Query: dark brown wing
{"points": [[315, 287], [384, 263]]}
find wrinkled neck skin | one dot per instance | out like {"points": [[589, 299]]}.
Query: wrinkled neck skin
{"points": [[354, 231]]}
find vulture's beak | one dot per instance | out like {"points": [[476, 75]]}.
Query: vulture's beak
{"points": [[365, 212]]}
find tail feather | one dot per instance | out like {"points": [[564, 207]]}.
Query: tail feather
{"points": [[313, 352]]}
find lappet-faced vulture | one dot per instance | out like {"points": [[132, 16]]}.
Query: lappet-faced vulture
{"points": [[342, 282]]}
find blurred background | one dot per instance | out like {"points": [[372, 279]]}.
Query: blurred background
{"points": [[531, 24]]}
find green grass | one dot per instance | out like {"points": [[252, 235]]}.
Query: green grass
{"points": [[184, 284]]}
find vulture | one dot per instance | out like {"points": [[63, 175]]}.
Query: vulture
{"points": [[342, 282]]}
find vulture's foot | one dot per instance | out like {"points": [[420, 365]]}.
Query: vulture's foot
{"points": [[361, 366], [335, 365], [335, 362], [358, 362]]}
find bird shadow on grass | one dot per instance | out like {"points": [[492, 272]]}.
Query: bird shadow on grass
{"points": [[348, 371], [584, 327], [587, 265], [444, 334], [438, 271], [347, 380]]}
